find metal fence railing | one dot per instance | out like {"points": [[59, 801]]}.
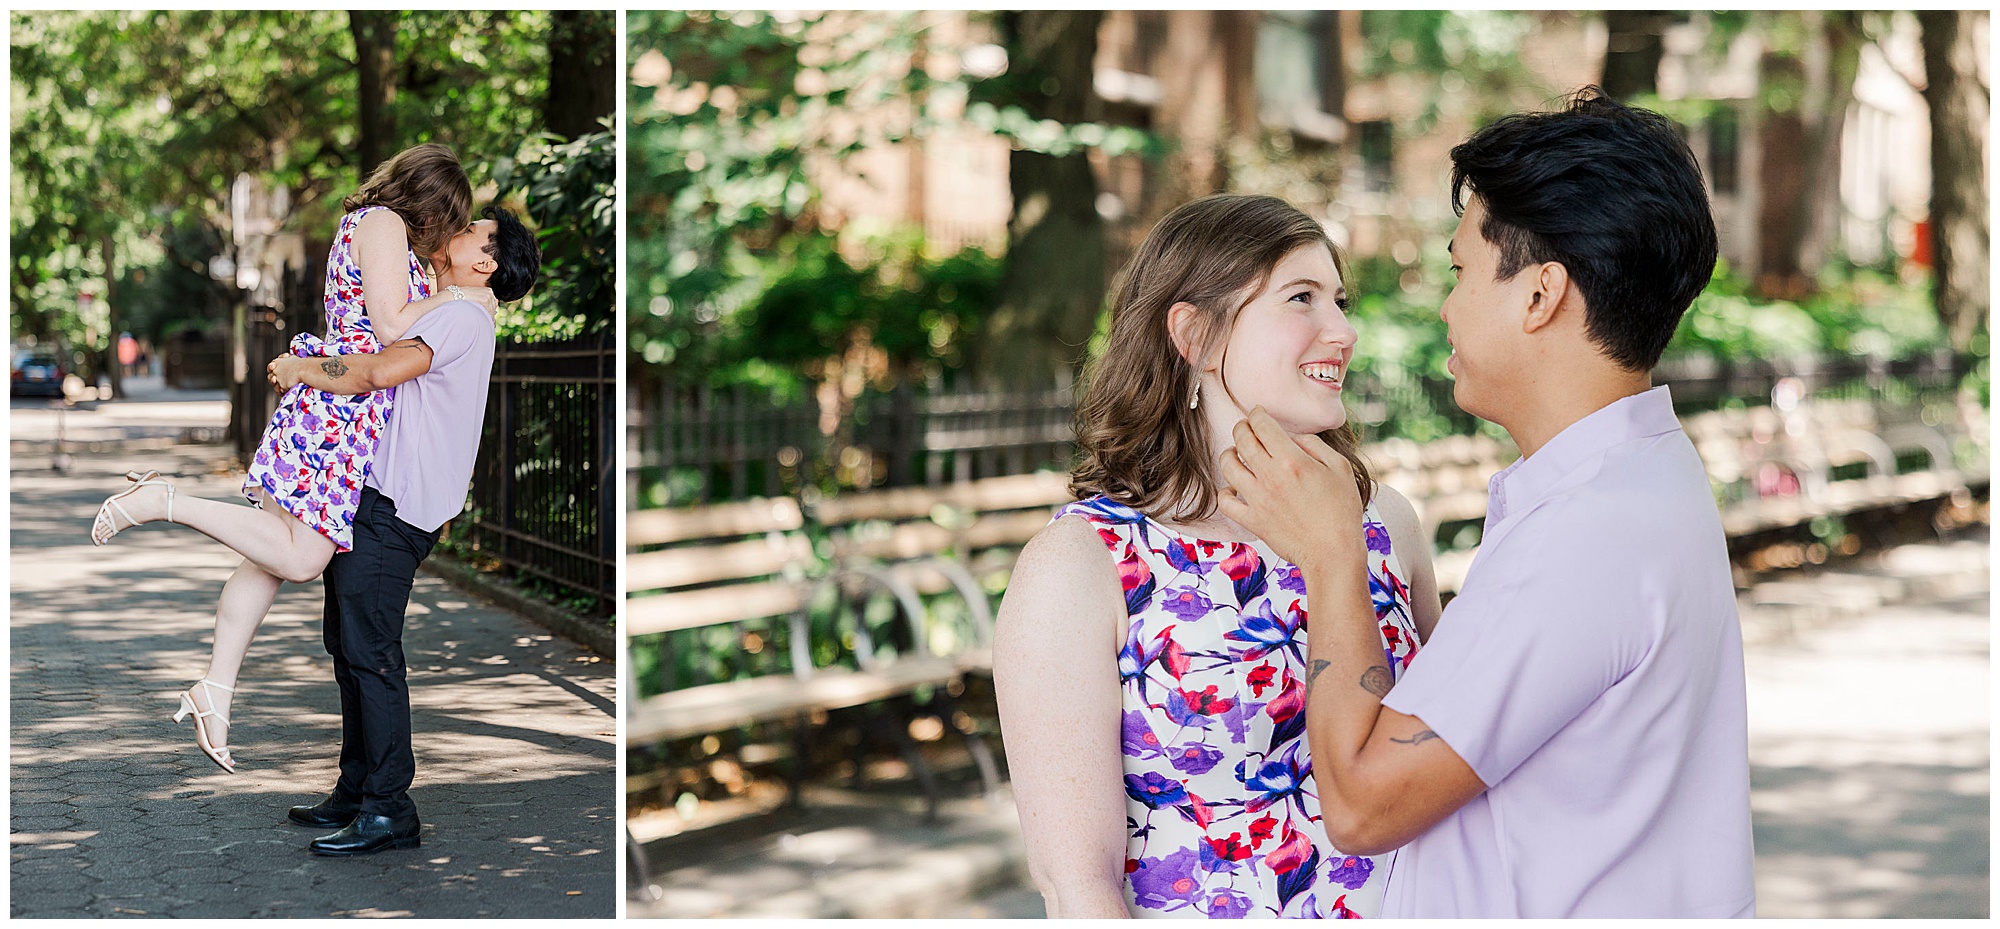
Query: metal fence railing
{"points": [[702, 445], [542, 495]]}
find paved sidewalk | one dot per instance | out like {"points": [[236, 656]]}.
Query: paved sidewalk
{"points": [[115, 811]]}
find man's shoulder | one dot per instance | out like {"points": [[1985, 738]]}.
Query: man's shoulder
{"points": [[454, 317]]}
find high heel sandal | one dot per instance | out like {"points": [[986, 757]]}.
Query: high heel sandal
{"points": [[106, 524], [216, 753]]}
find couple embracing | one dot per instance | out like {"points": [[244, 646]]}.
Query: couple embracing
{"points": [[1568, 739], [369, 453]]}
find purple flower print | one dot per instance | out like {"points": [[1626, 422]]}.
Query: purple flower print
{"points": [[1155, 790], [1237, 720], [1139, 739], [1187, 603], [285, 469], [1290, 578], [1166, 883], [1267, 632], [312, 423], [1351, 872], [1378, 537], [1195, 758], [1227, 904]]}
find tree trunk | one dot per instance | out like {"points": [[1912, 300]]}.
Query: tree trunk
{"points": [[375, 59], [1958, 97], [582, 82], [1632, 52], [1799, 171], [113, 322], [1054, 281]]}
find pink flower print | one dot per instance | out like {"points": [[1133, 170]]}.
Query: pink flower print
{"points": [[1291, 851], [1260, 678]]}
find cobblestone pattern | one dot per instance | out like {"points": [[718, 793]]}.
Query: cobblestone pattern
{"points": [[116, 812]]}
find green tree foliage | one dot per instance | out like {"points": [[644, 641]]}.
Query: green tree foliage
{"points": [[129, 126], [569, 191], [733, 115]]}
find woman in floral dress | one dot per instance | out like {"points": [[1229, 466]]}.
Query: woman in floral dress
{"points": [[1150, 655], [305, 479]]}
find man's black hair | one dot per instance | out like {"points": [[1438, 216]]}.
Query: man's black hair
{"points": [[520, 259], [1612, 193]]}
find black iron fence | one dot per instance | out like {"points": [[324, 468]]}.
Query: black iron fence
{"points": [[542, 498], [541, 502], [699, 445]]}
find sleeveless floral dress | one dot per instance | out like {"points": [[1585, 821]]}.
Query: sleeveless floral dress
{"points": [[319, 447], [1222, 817]]}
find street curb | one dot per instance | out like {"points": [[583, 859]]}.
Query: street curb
{"points": [[592, 634]]}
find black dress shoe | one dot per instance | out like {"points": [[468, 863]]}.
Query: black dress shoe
{"points": [[368, 834], [327, 814]]}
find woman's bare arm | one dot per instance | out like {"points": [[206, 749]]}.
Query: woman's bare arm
{"points": [[1055, 668], [1413, 550], [382, 251]]}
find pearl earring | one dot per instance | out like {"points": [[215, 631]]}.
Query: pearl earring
{"points": [[1194, 396]]}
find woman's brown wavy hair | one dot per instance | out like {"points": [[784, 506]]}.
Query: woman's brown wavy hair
{"points": [[427, 187], [1142, 446]]}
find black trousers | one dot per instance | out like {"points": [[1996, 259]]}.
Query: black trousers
{"points": [[367, 590]]}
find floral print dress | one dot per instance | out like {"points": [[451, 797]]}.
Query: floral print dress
{"points": [[1222, 817], [319, 447]]}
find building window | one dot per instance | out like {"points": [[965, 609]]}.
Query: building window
{"points": [[1724, 144], [1375, 142], [1292, 78]]}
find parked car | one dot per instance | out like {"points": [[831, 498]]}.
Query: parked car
{"points": [[38, 372]]}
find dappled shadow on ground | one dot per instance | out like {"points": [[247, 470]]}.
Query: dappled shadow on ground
{"points": [[116, 811], [1873, 839]]}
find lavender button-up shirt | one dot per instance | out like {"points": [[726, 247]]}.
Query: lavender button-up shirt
{"points": [[1591, 673]]}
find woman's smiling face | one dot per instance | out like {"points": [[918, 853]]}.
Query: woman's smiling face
{"points": [[1290, 346]]}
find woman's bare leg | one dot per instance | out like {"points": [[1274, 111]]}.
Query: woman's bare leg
{"points": [[246, 600], [270, 538]]}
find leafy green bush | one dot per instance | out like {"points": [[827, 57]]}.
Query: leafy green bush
{"points": [[569, 191]]}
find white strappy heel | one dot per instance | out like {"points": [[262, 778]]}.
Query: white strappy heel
{"points": [[217, 753], [106, 524]]}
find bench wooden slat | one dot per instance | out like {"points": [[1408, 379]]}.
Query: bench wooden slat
{"points": [[748, 517], [1045, 488], [680, 567], [693, 609], [716, 707]]}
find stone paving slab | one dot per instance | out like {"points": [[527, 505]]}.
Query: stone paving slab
{"points": [[116, 812]]}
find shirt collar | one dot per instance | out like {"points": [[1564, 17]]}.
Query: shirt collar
{"points": [[1521, 484]]}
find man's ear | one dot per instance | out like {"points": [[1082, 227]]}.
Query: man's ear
{"points": [[1552, 289], [1184, 325], [486, 265]]}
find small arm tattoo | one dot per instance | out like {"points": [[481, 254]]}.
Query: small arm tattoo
{"points": [[1312, 677], [333, 367], [1377, 680], [1417, 739]]}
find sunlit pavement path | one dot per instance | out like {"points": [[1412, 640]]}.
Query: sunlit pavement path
{"points": [[1869, 774], [115, 810]]}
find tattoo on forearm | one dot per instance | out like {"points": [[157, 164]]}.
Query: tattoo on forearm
{"points": [[333, 367], [1417, 739], [1377, 680], [1312, 677]]}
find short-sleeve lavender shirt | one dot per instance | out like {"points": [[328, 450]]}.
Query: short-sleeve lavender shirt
{"points": [[425, 458], [1591, 673]]}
